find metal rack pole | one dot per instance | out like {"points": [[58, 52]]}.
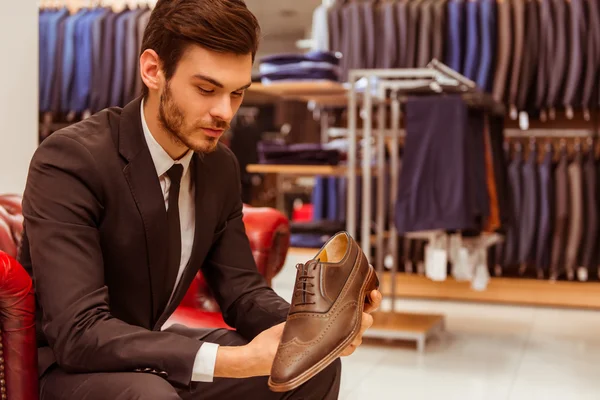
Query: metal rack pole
{"points": [[381, 178], [352, 159], [394, 177], [367, 114]]}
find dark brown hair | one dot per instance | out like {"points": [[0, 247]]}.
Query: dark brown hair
{"points": [[225, 26]]}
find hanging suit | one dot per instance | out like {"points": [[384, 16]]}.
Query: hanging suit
{"points": [[503, 51], [142, 23], [55, 100], [546, 214], [559, 53], [518, 15], [391, 43], [402, 33], [511, 249], [456, 35], [425, 34], [561, 219], [529, 210], [590, 186], [529, 66], [368, 17], [576, 222], [413, 33], [472, 57], [593, 54], [546, 53], [577, 46], [488, 32], [439, 29]]}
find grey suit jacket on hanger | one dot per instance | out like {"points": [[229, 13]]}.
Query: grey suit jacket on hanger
{"points": [[591, 214], [439, 29], [546, 53], [577, 46], [518, 15], [561, 216], [593, 54], [529, 65], [402, 15], [560, 57], [504, 51], [425, 40], [576, 222]]}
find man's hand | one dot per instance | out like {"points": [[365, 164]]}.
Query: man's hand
{"points": [[367, 321], [254, 359]]}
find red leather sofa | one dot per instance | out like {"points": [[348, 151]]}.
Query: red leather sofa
{"points": [[267, 230]]}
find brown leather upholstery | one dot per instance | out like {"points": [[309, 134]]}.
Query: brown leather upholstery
{"points": [[269, 236]]}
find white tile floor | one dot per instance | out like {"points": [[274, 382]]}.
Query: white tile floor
{"points": [[489, 352]]}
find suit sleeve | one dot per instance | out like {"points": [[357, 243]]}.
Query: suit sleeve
{"points": [[248, 304], [63, 208]]}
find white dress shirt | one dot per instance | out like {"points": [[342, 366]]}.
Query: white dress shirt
{"points": [[204, 364]]}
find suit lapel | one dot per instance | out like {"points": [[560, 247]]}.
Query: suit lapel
{"points": [[206, 220], [140, 173]]}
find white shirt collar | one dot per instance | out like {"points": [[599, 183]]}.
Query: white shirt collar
{"points": [[162, 160]]}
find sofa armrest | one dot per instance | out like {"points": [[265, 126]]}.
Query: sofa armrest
{"points": [[18, 354], [269, 233]]}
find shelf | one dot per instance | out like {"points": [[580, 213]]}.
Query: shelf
{"points": [[513, 291], [324, 93], [300, 88], [306, 170]]}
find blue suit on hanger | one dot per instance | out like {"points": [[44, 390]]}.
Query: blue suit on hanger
{"points": [[47, 54], [472, 46], [118, 78], [456, 33], [68, 70], [80, 95], [487, 17]]}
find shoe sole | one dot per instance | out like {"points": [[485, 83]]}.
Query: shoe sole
{"points": [[371, 283]]}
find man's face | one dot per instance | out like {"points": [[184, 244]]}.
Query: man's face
{"points": [[199, 101]]}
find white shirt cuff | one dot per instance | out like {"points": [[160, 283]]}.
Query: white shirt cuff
{"points": [[204, 364]]}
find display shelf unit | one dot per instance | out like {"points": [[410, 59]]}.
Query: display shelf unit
{"points": [[509, 291]]}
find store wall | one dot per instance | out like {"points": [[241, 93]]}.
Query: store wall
{"points": [[18, 92]]}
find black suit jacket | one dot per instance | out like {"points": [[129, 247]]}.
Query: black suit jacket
{"points": [[95, 243]]}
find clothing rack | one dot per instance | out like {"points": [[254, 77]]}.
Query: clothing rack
{"points": [[380, 87]]}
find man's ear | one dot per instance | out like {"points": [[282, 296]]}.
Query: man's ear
{"points": [[150, 69]]}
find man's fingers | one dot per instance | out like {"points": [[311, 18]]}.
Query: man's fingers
{"points": [[367, 322], [375, 301]]}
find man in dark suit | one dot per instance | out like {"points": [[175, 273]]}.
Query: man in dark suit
{"points": [[123, 209]]}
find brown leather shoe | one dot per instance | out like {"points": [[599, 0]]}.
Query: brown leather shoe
{"points": [[325, 314]]}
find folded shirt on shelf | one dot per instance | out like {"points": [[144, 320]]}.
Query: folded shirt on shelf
{"points": [[303, 154], [293, 58], [308, 240], [301, 74], [312, 66], [324, 227]]}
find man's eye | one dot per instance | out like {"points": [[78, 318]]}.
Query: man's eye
{"points": [[204, 91], [238, 94]]}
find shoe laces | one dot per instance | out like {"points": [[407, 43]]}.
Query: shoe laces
{"points": [[304, 281]]}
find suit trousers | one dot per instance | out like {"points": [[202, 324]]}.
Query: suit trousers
{"points": [[59, 385]]}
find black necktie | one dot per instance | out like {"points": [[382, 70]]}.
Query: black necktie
{"points": [[174, 229]]}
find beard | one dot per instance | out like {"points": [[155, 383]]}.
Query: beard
{"points": [[172, 119]]}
